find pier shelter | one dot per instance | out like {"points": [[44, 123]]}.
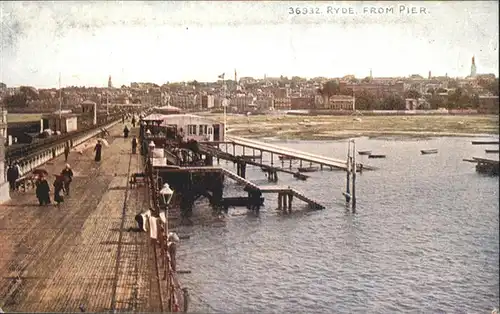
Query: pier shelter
{"points": [[184, 126]]}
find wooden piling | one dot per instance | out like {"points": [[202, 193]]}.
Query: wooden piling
{"points": [[354, 176], [290, 199]]}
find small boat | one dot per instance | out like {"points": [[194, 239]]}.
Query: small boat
{"points": [[485, 142], [365, 152], [491, 151], [376, 156], [285, 157], [429, 151], [308, 169]]}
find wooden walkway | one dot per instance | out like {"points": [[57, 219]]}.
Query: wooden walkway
{"points": [[264, 189], [56, 259], [295, 154]]}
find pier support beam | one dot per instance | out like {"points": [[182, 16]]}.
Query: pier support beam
{"points": [[290, 199], [272, 176]]}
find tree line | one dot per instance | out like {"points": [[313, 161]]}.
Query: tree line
{"points": [[457, 98]]}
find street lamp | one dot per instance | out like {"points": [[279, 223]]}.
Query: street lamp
{"points": [[166, 194]]}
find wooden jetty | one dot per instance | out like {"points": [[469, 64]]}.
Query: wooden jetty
{"points": [[486, 166], [301, 156], [486, 142], [285, 194], [271, 170]]}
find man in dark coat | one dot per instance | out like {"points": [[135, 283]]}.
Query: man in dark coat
{"points": [[43, 191], [67, 174], [125, 132], [98, 150], [12, 176], [133, 121], [134, 145], [66, 151]]}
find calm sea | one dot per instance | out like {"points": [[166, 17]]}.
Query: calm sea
{"points": [[425, 238]]}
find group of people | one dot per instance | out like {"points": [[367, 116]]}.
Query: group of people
{"points": [[61, 186]]}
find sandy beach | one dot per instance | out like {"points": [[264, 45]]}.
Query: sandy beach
{"points": [[338, 127]]}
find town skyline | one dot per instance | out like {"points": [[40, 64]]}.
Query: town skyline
{"points": [[181, 42]]}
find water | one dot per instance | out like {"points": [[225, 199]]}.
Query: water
{"points": [[425, 238]]}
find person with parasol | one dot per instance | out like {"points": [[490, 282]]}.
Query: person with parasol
{"points": [[42, 187], [58, 188], [67, 174], [98, 150]]}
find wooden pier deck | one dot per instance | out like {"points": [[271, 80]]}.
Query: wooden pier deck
{"points": [[56, 259], [295, 154], [247, 183]]}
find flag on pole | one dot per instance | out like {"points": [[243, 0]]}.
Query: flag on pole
{"points": [[222, 76]]}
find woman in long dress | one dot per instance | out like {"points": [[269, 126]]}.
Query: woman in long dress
{"points": [[98, 150], [58, 189]]}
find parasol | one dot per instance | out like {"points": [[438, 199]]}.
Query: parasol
{"points": [[103, 141], [40, 172]]}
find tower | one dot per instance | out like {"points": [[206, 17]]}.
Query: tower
{"points": [[235, 77], [430, 76], [110, 84], [473, 67], [371, 74]]}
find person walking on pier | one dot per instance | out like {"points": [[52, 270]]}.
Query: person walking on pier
{"points": [[134, 145], [67, 174], [42, 190], [12, 176], [58, 188], [125, 132], [133, 121], [98, 150], [66, 151]]}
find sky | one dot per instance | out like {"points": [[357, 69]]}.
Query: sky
{"points": [[163, 42]]}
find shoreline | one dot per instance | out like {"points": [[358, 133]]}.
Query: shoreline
{"points": [[355, 134]]}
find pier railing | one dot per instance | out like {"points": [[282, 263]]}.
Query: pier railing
{"points": [[174, 293]]}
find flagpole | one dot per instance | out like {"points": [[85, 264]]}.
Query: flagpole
{"points": [[60, 95]]}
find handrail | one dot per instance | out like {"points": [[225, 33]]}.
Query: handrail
{"points": [[169, 273]]}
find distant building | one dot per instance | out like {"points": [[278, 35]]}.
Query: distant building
{"points": [[335, 102], [284, 103]]}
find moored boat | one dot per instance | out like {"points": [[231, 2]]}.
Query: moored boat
{"points": [[485, 142], [365, 152], [429, 151], [491, 151], [376, 156], [308, 169]]}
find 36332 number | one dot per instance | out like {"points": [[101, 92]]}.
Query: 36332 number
{"points": [[303, 10]]}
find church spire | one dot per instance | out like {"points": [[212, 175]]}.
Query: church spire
{"points": [[473, 67]]}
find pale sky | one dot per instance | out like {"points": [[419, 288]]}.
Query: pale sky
{"points": [[182, 41]]}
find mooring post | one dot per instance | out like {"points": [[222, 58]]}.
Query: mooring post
{"points": [[243, 170], [353, 176], [243, 151], [234, 149], [272, 159], [348, 168], [285, 202], [279, 201]]}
